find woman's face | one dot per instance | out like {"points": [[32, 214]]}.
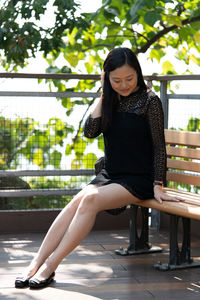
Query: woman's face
{"points": [[124, 80]]}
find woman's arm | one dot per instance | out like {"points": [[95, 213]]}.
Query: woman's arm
{"points": [[96, 111], [156, 122], [92, 127]]}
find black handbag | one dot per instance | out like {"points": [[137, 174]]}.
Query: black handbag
{"points": [[98, 167]]}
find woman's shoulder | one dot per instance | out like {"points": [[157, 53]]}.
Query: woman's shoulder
{"points": [[152, 98], [153, 102], [151, 95]]}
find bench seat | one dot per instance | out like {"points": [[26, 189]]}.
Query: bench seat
{"points": [[183, 168], [190, 208]]}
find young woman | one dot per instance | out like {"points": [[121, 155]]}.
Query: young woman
{"points": [[131, 120]]}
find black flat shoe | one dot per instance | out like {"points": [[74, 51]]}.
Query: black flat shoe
{"points": [[20, 282], [38, 284]]}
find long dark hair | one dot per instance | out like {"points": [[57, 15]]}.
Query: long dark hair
{"points": [[117, 58]]}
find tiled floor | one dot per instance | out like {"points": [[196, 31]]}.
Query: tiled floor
{"points": [[94, 271]]}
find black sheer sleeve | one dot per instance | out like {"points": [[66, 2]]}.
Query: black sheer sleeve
{"points": [[92, 127], [156, 121]]}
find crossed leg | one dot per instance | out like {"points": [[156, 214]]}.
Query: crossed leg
{"points": [[74, 223]]}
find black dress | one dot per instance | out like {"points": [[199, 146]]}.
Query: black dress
{"points": [[134, 145]]}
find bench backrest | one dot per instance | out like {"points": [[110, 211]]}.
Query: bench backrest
{"points": [[183, 156]]}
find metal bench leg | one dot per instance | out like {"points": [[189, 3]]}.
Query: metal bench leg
{"points": [[138, 243], [179, 259]]}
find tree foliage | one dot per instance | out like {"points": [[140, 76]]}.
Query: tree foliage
{"points": [[23, 140], [22, 34], [147, 25]]}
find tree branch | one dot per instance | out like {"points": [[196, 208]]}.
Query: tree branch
{"points": [[96, 46], [119, 35], [163, 32], [137, 33]]}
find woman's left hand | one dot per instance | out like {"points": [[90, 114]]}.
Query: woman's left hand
{"points": [[161, 196]]}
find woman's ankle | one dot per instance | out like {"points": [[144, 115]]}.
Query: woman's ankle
{"points": [[33, 268], [45, 270]]}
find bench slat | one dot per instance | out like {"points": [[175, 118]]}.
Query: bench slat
{"points": [[183, 165], [183, 152], [183, 178], [190, 198], [189, 195], [182, 138], [177, 208]]}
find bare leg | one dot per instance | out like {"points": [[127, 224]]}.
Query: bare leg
{"points": [[55, 233], [95, 200]]}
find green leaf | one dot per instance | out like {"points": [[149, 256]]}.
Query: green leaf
{"points": [[150, 3], [79, 146], [184, 33], [38, 158], [167, 67], [136, 6], [68, 150], [56, 123], [71, 58], [89, 160], [55, 159], [183, 55], [132, 20], [100, 142], [195, 59], [68, 113], [90, 64], [197, 37], [76, 163], [71, 35], [190, 4], [193, 124], [112, 11], [157, 54], [133, 12], [174, 20], [151, 17], [66, 103]]}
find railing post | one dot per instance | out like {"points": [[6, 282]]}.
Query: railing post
{"points": [[149, 83], [155, 214], [164, 99]]}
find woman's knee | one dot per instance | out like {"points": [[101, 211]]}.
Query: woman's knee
{"points": [[85, 195], [89, 202], [74, 203]]}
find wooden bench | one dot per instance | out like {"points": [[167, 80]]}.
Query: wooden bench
{"points": [[183, 167]]}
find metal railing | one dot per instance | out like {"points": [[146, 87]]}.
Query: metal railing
{"points": [[164, 95]]}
